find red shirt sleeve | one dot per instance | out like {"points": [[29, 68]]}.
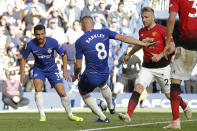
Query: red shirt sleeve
{"points": [[174, 5]]}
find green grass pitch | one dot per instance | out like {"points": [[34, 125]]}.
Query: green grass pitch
{"points": [[142, 120]]}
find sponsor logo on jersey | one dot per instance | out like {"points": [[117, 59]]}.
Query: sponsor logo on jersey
{"points": [[148, 39], [44, 56]]}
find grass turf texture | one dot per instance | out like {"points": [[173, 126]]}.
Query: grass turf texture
{"points": [[57, 121]]}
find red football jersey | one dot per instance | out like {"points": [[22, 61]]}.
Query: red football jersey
{"points": [[157, 33], [187, 10]]}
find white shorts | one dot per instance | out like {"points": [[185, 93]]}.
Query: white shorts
{"points": [[183, 64], [161, 75]]}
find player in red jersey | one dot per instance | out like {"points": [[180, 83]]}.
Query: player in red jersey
{"points": [[186, 55], [155, 66]]}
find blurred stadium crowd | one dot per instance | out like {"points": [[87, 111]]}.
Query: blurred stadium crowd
{"points": [[61, 19]]}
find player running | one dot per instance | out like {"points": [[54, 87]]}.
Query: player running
{"points": [[94, 45], [43, 48], [154, 66], [186, 55]]}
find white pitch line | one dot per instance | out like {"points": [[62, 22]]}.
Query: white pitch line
{"points": [[134, 125]]}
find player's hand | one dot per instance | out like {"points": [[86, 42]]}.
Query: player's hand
{"points": [[126, 58], [66, 76], [167, 50], [74, 78], [156, 57], [151, 45]]}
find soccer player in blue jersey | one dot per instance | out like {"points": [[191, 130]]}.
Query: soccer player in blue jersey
{"points": [[43, 48], [94, 45]]}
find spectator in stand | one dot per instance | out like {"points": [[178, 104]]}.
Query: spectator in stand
{"points": [[57, 14], [3, 24], [28, 16], [12, 17], [55, 31], [100, 21], [72, 12], [126, 80], [90, 9], [3, 38], [13, 39], [13, 93], [40, 7], [118, 14], [35, 21], [101, 8]]}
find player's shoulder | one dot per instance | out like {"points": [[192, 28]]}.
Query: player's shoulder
{"points": [[78, 41], [160, 27], [50, 39], [142, 29], [31, 43], [105, 30]]}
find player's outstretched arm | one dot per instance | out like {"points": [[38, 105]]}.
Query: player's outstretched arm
{"points": [[131, 40], [132, 51], [77, 69], [65, 73], [22, 69], [170, 28]]}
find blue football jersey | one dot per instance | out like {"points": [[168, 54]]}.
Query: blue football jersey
{"points": [[44, 56], [94, 45]]}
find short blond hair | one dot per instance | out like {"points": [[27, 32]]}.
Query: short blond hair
{"points": [[147, 9]]}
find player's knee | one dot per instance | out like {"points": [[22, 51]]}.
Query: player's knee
{"points": [[167, 95], [38, 89], [139, 88], [175, 81], [82, 93], [62, 94]]}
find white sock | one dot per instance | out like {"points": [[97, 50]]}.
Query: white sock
{"points": [[91, 103], [39, 102], [106, 92], [66, 104]]}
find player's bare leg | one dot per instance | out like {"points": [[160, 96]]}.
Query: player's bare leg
{"points": [[39, 99], [132, 103], [118, 88], [66, 102], [91, 103], [184, 105], [107, 94], [175, 100]]}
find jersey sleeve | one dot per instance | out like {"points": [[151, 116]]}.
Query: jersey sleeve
{"points": [[174, 6], [110, 33], [59, 48], [79, 53], [27, 50]]}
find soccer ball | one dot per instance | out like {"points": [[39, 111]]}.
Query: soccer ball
{"points": [[101, 104], [16, 99]]}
